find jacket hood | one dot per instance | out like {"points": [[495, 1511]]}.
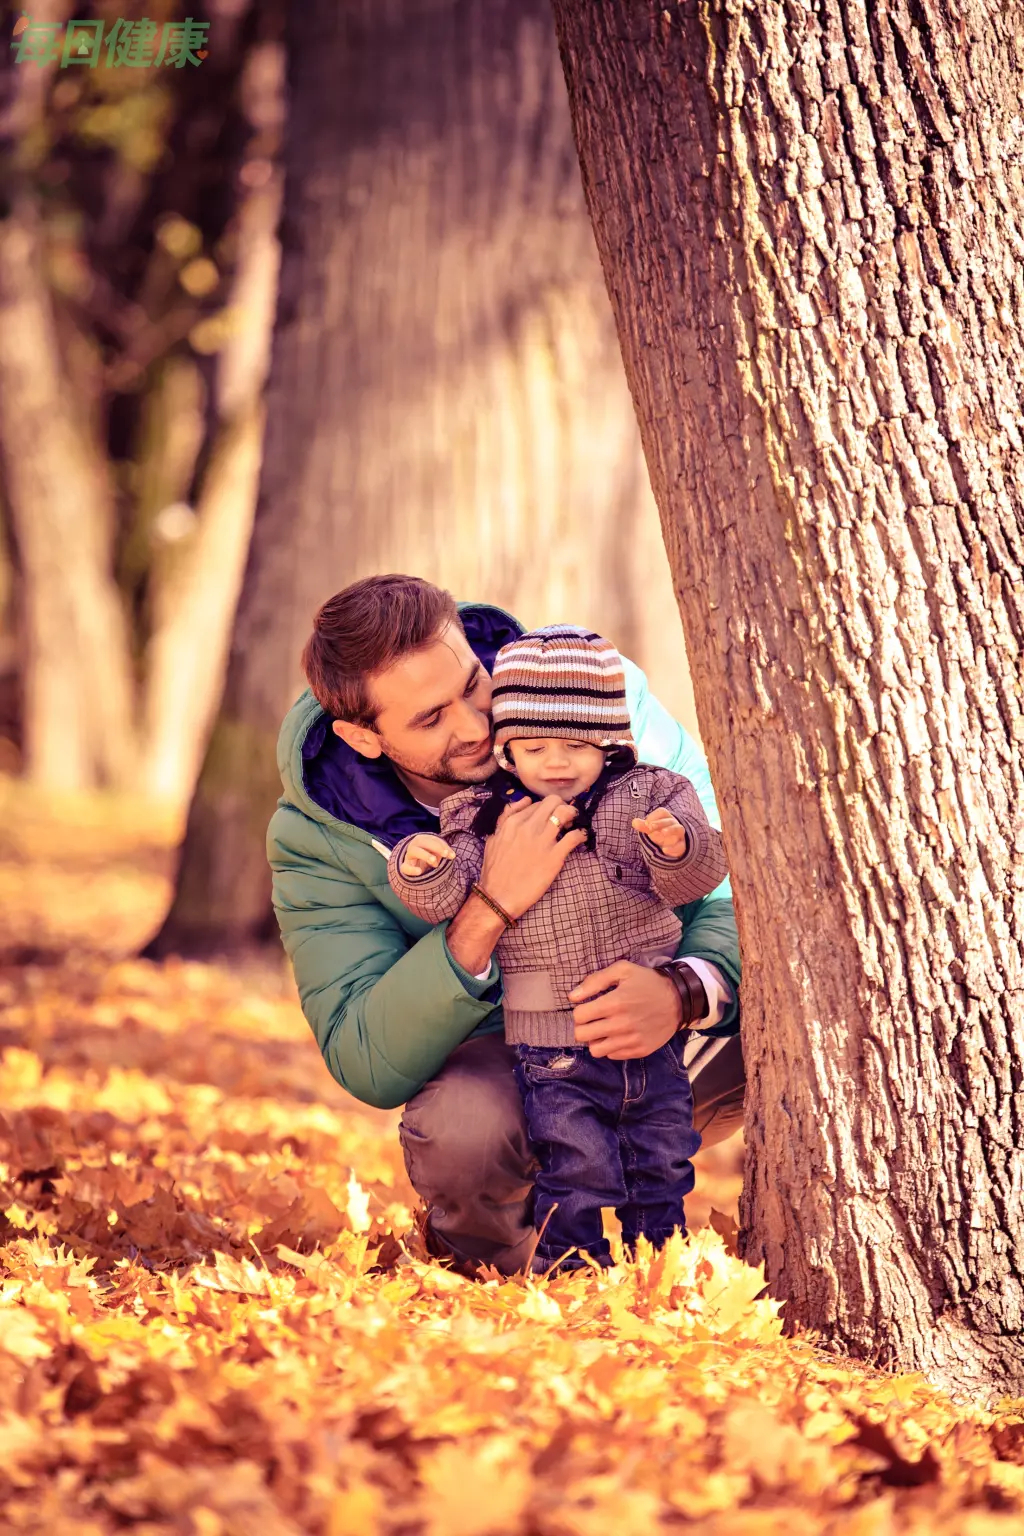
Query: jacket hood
{"points": [[326, 780]]}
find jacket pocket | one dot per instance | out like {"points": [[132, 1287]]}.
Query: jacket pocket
{"points": [[630, 875]]}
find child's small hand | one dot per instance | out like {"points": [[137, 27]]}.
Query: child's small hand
{"points": [[424, 852], [665, 831]]}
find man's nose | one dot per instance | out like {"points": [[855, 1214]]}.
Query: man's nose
{"points": [[471, 724]]}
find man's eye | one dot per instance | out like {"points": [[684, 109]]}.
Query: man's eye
{"points": [[428, 725]]}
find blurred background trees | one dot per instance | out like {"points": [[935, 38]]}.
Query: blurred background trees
{"points": [[447, 394], [137, 281]]}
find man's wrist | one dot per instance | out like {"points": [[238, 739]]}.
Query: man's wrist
{"points": [[693, 999], [472, 934]]}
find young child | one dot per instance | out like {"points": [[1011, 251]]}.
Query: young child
{"points": [[606, 1133]]}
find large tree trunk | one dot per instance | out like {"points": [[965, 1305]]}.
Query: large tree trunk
{"points": [[446, 396], [810, 222]]}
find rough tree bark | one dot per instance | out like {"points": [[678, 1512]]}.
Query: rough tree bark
{"points": [[811, 221], [446, 394]]}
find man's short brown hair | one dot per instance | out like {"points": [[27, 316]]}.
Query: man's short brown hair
{"points": [[364, 630]]}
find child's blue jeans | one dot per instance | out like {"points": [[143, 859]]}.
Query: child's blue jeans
{"points": [[607, 1133]]}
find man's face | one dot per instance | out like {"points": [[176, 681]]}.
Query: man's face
{"points": [[434, 712]]}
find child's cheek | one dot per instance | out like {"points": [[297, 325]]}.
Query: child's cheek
{"points": [[529, 775]]}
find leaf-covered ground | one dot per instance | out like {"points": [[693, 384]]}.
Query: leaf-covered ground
{"points": [[216, 1319]]}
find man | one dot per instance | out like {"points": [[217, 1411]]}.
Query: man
{"points": [[397, 715]]}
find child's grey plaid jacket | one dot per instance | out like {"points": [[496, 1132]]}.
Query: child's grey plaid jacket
{"points": [[611, 904]]}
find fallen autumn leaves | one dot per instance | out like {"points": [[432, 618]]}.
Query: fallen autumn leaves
{"points": [[208, 1324]]}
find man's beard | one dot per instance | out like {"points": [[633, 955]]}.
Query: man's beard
{"points": [[451, 769]]}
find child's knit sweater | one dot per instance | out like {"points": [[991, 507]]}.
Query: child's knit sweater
{"points": [[614, 903]]}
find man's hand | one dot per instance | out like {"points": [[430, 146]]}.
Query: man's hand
{"points": [[424, 852], [525, 853], [521, 859], [635, 1018], [664, 831]]}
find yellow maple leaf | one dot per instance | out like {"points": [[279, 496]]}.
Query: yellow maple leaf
{"points": [[357, 1511], [22, 1440], [539, 1306], [228, 1274], [358, 1205], [475, 1489], [20, 1333]]}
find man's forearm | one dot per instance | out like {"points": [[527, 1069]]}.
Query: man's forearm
{"points": [[472, 934]]}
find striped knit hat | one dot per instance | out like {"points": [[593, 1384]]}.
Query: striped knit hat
{"points": [[563, 682]]}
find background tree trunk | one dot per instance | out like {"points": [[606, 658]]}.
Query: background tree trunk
{"points": [[811, 223], [194, 601], [77, 686], [10, 703], [77, 680], [446, 395]]}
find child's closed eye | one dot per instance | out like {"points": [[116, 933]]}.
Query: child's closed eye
{"points": [[571, 746]]}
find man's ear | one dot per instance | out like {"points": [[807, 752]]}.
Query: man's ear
{"points": [[359, 737]]}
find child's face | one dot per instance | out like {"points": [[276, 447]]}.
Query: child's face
{"points": [[550, 767]]}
